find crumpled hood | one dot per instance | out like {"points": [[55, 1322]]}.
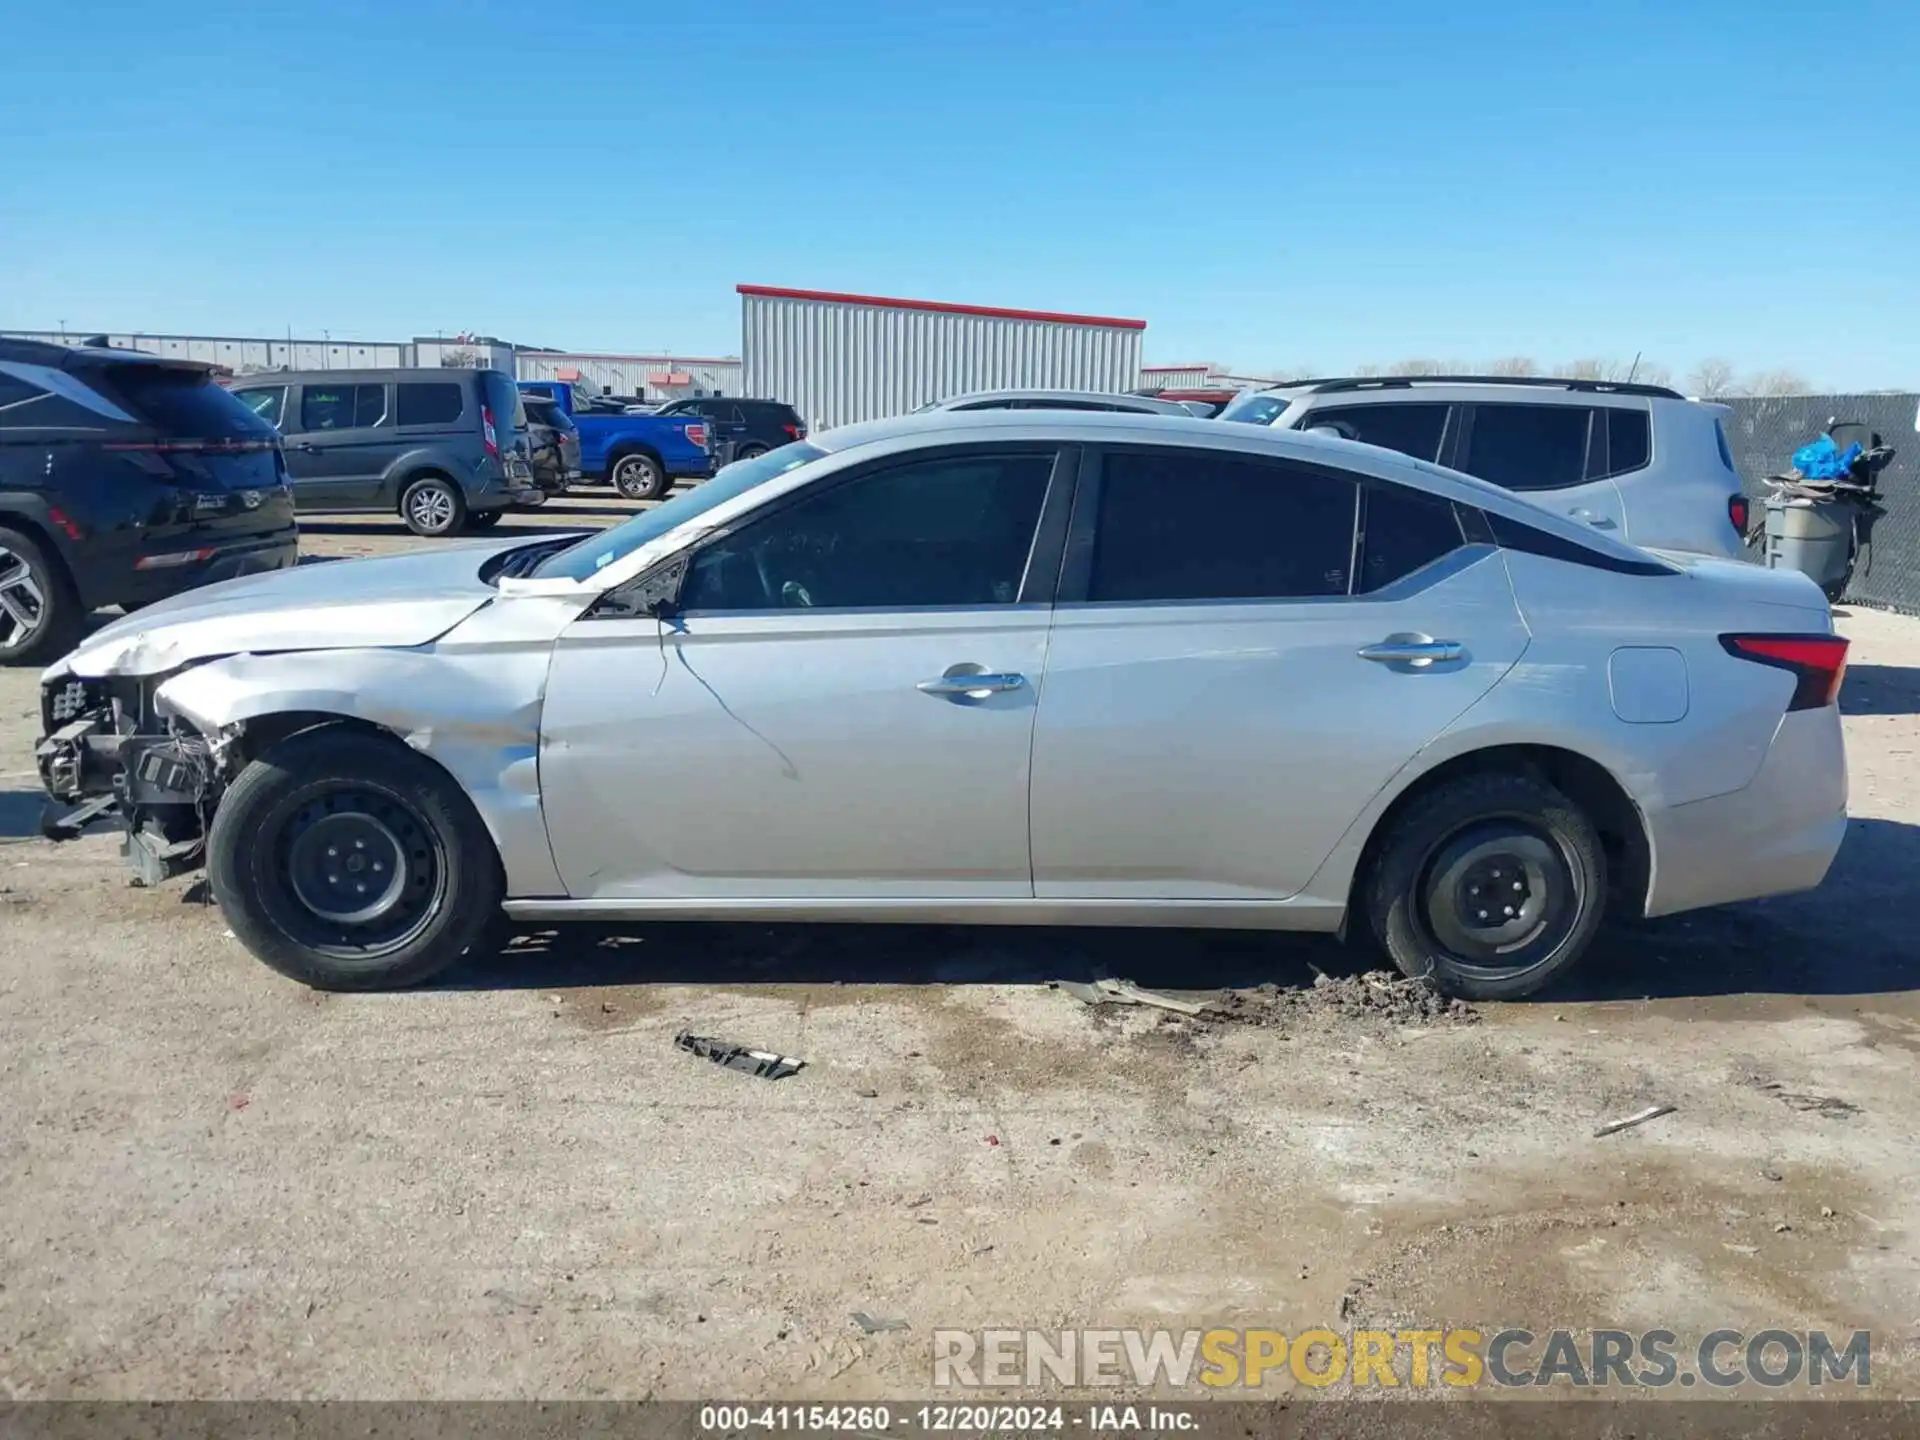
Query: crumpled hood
{"points": [[395, 600]]}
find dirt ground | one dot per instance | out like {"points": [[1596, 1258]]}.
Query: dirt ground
{"points": [[216, 1183]]}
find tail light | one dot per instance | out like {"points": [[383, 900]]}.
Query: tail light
{"points": [[795, 432], [491, 435], [697, 433], [1818, 663], [1738, 511]]}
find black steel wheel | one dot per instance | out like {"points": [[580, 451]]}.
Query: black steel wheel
{"points": [[348, 862], [1488, 886]]}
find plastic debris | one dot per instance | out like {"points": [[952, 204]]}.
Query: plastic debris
{"points": [[763, 1063], [874, 1324], [1652, 1112], [1125, 992]]}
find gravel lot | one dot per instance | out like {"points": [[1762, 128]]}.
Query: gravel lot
{"points": [[216, 1183]]}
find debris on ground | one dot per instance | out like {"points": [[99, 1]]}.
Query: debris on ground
{"points": [[1639, 1117], [874, 1324], [763, 1063], [1376, 995], [1125, 992], [1832, 1107]]}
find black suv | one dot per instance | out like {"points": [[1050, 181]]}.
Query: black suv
{"points": [[125, 478], [743, 428]]}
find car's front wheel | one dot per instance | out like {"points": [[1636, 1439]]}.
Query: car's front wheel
{"points": [[348, 862], [1488, 886]]}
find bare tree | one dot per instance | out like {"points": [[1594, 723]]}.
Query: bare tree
{"points": [[1513, 365], [1366, 371], [1586, 370], [1651, 372], [1779, 382], [1712, 376]]}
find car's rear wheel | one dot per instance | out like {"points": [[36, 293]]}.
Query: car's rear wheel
{"points": [[348, 862], [40, 613], [749, 452], [639, 477], [484, 519], [1488, 886], [433, 505]]}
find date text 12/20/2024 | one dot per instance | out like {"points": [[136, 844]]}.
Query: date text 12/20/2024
{"points": [[947, 1419]]}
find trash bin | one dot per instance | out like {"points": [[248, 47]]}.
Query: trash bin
{"points": [[1810, 536]]}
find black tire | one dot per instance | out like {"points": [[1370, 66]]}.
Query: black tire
{"points": [[433, 505], [1465, 843], [638, 477], [276, 848], [484, 519], [40, 614], [748, 452]]}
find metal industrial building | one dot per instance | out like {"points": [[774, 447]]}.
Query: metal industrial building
{"points": [[242, 355], [841, 358], [655, 377]]}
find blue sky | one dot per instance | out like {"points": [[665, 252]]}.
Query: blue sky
{"points": [[1266, 184]]}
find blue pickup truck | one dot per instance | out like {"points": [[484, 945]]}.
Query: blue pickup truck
{"points": [[639, 455]]}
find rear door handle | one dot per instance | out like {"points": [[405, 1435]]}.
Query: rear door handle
{"points": [[963, 683], [1599, 522], [1403, 650]]}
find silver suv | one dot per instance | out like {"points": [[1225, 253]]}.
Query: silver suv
{"points": [[1640, 462]]}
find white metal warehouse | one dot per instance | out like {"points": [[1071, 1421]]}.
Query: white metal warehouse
{"points": [[842, 358]]}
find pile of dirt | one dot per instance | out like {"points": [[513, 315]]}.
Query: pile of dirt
{"points": [[1384, 996]]}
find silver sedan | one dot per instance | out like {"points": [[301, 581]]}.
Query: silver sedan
{"points": [[1006, 668]]}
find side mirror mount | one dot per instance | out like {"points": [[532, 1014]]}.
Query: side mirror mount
{"points": [[656, 593]]}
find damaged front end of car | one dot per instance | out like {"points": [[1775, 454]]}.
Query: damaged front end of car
{"points": [[108, 752]]}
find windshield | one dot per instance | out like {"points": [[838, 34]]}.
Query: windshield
{"points": [[596, 552], [1257, 408]]}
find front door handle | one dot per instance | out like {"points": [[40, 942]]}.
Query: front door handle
{"points": [[969, 682], [1412, 650], [1587, 517]]}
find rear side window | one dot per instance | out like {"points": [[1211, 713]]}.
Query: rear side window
{"points": [[1629, 440], [1203, 525], [183, 403], [268, 402], [1529, 447], [342, 407], [1402, 530], [437, 403], [1411, 429]]}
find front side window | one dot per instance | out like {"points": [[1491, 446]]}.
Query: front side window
{"points": [[268, 402], [950, 531], [1411, 429], [434, 403], [1529, 447], [342, 407], [1208, 525]]}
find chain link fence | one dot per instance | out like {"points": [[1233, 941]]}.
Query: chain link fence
{"points": [[1764, 432]]}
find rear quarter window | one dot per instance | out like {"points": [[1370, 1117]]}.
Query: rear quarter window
{"points": [[183, 403], [436, 402]]}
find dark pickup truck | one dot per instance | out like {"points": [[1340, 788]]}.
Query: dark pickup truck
{"points": [[639, 455]]}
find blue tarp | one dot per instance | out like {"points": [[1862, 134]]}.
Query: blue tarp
{"points": [[1824, 460]]}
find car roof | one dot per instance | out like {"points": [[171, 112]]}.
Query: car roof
{"points": [[1093, 427], [381, 374], [1363, 384], [68, 357], [1138, 404]]}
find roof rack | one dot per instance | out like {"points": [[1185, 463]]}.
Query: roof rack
{"points": [[1544, 382]]}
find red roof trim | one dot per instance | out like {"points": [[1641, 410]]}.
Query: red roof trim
{"points": [[555, 356], [941, 307]]}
